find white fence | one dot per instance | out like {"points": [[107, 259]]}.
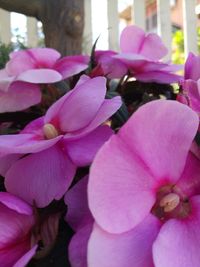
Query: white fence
{"points": [[138, 17]]}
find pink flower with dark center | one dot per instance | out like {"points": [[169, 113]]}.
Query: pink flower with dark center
{"points": [[139, 57], [26, 69], [144, 190], [40, 162], [16, 224]]}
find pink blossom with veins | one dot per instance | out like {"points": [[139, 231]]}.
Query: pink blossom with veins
{"points": [[139, 55], [26, 69], [16, 225], [144, 192], [40, 162]]}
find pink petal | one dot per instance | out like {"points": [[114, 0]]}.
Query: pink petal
{"points": [[192, 67], [24, 143], [16, 204], [35, 127], [177, 244], [153, 47], [20, 96], [131, 39], [82, 105], [78, 213], [192, 90], [39, 76], [11, 254], [26, 257], [20, 61], [107, 109], [6, 162], [5, 80], [161, 133], [78, 247], [44, 57], [53, 111], [71, 65], [41, 177], [189, 182], [118, 185], [130, 249], [83, 150], [158, 77]]}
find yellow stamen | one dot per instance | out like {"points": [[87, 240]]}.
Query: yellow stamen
{"points": [[50, 131], [170, 202]]}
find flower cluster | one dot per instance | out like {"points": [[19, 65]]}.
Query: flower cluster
{"points": [[101, 145]]}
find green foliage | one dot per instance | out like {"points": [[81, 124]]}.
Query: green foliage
{"points": [[5, 50], [4, 53], [178, 47]]}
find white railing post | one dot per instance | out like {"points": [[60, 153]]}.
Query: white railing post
{"points": [[113, 24], [32, 32], [190, 26], [139, 13], [5, 27], [164, 24], [87, 34]]}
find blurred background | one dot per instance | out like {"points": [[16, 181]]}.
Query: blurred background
{"points": [[176, 21]]}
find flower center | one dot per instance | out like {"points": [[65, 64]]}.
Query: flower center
{"points": [[170, 202], [50, 131]]}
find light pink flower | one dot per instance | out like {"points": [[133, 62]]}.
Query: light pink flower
{"points": [[139, 56], [40, 162], [144, 190], [26, 69], [16, 223]]}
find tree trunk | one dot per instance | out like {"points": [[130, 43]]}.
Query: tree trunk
{"points": [[63, 21]]}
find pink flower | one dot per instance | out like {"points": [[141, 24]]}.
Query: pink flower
{"points": [[140, 57], [16, 223], [191, 83], [144, 190], [40, 162], [80, 220], [26, 69]]}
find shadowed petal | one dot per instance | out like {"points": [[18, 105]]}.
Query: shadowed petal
{"points": [[133, 248], [71, 65], [192, 67], [83, 150], [78, 213], [26, 257], [42, 177], [78, 247], [20, 96]]}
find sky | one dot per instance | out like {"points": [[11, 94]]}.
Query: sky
{"points": [[99, 22]]}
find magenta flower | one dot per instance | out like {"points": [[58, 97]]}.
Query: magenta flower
{"points": [[26, 69], [140, 57], [144, 190], [40, 162], [16, 223], [191, 83], [80, 220]]}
